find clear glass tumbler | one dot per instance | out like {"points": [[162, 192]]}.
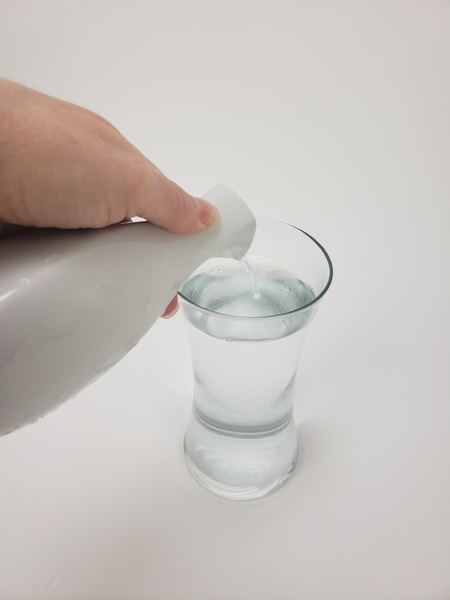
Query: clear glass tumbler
{"points": [[247, 321]]}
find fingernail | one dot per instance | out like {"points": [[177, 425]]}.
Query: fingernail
{"points": [[208, 214], [171, 314]]}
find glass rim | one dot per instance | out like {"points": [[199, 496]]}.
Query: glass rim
{"points": [[282, 315]]}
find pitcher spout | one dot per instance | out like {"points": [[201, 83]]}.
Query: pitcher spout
{"points": [[237, 224]]}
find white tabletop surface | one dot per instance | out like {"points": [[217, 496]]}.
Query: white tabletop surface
{"points": [[332, 116]]}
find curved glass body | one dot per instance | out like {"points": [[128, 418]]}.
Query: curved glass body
{"points": [[247, 321]]}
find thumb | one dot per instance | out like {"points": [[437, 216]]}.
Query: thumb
{"points": [[167, 205]]}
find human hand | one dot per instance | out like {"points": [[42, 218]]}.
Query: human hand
{"points": [[64, 166]]}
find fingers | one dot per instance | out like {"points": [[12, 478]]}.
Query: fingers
{"points": [[172, 309], [64, 166], [164, 203]]}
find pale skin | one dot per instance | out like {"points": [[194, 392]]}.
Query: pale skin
{"points": [[64, 166]]}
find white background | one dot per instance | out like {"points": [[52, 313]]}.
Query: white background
{"points": [[332, 116]]}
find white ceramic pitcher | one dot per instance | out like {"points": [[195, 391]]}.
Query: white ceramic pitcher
{"points": [[74, 302]]}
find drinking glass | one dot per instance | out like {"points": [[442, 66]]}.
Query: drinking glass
{"points": [[247, 321]]}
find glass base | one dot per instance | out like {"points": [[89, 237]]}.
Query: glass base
{"points": [[237, 466]]}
